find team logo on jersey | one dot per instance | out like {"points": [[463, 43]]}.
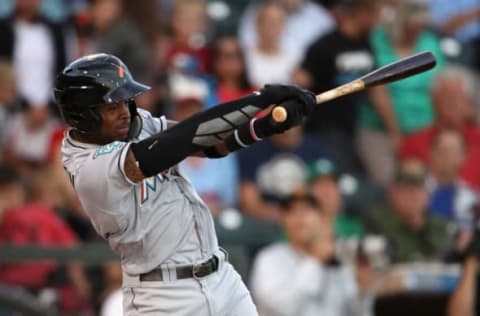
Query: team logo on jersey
{"points": [[104, 150], [150, 185]]}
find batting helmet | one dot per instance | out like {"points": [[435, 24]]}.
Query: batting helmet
{"points": [[91, 81]]}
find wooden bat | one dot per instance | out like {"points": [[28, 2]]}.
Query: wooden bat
{"points": [[398, 70]]}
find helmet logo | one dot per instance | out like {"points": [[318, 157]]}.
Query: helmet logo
{"points": [[121, 72]]}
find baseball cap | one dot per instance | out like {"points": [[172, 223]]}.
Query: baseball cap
{"points": [[187, 89], [411, 172], [414, 10], [321, 168], [299, 196], [355, 4]]}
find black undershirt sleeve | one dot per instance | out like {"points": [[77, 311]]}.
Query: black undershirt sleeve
{"points": [[198, 132]]}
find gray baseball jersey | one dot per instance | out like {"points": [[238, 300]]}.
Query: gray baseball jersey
{"points": [[160, 220]]}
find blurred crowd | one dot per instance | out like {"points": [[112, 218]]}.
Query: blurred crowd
{"points": [[376, 195]]}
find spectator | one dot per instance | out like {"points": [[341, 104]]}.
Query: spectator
{"points": [[323, 177], [465, 299], [274, 168], [112, 304], [450, 198], [305, 21], [405, 106], [301, 276], [144, 15], [413, 233], [453, 95], [7, 96], [35, 223], [267, 60], [188, 50], [229, 71], [111, 32], [56, 193], [36, 47], [340, 56], [33, 137], [460, 20], [12, 192]]}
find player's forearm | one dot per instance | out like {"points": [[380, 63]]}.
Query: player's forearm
{"points": [[209, 128], [198, 132], [462, 301], [255, 130]]}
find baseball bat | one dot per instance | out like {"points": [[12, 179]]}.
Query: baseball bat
{"points": [[398, 70]]}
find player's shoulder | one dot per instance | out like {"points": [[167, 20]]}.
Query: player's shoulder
{"points": [[151, 124], [76, 154], [73, 150]]}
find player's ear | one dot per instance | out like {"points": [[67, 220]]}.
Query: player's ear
{"points": [[135, 120]]}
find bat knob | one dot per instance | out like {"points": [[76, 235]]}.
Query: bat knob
{"points": [[279, 114]]}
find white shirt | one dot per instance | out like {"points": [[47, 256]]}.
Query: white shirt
{"points": [[33, 62], [113, 304], [287, 283], [262, 69], [302, 27], [31, 145]]}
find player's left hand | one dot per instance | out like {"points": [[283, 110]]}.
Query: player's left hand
{"points": [[266, 126]]}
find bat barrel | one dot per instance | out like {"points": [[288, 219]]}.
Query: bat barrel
{"points": [[400, 69]]}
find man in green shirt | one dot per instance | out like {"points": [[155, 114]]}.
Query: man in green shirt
{"points": [[322, 178], [412, 233]]}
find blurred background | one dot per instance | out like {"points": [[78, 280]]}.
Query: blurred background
{"points": [[368, 209]]}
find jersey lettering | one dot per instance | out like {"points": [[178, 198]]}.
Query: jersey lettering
{"points": [[150, 185], [104, 150]]}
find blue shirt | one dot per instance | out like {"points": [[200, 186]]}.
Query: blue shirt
{"points": [[443, 10], [275, 170], [442, 202], [214, 178]]}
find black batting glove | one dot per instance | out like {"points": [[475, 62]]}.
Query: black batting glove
{"points": [[278, 94], [266, 126], [257, 129]]}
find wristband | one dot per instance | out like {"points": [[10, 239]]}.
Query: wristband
{"points": [[252, 130]]}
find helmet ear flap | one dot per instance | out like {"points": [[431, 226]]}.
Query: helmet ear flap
{"points": [[86, 121], [136, 123], [96, 119]]}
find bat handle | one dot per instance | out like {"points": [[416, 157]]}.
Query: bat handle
{"points": [[279, 114]]}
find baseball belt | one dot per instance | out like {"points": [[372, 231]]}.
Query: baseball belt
{"points": [[196, 271]]}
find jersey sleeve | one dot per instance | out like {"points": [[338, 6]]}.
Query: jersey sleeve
{"points": [[104, 189], [152, 125]]}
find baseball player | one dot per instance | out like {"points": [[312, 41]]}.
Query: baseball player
{"points": [[122, 163]]}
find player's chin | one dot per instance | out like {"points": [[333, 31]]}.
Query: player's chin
{"points": [[121, 134]]}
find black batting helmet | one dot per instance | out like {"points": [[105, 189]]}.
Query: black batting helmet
{"points": [[91, 81]]}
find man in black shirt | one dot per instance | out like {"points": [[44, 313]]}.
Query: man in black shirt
{"points": [[342, 55]]}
